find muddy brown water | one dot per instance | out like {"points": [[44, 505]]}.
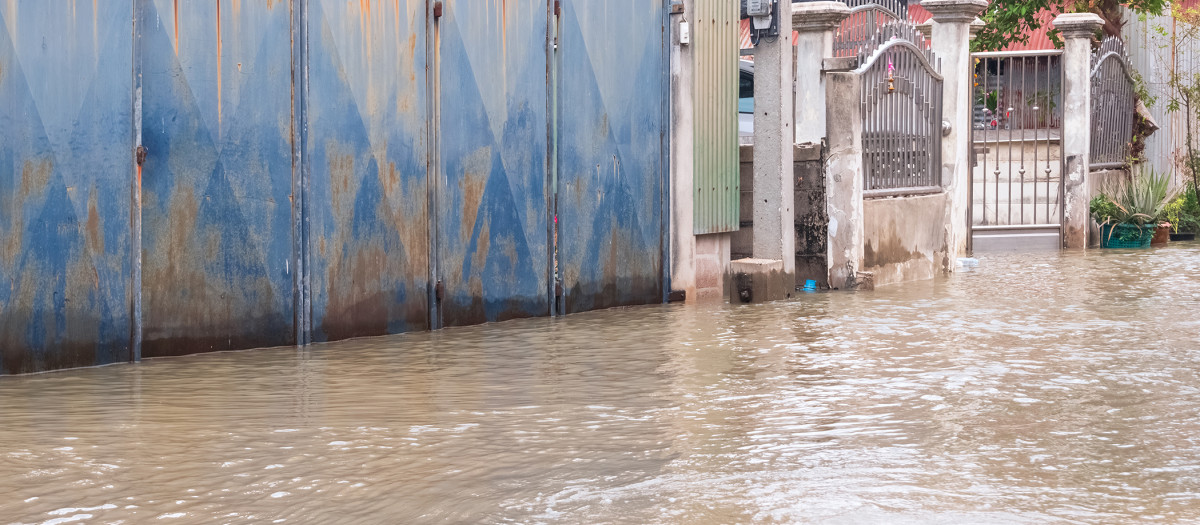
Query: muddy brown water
{"points": [[1048, 388]]}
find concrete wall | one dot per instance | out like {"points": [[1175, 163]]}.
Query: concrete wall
{"points": [[905, 238], [812, 219]]}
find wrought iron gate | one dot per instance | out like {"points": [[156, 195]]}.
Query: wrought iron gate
{"points": [[1114, 106], [1016, 181], [902, 113]]}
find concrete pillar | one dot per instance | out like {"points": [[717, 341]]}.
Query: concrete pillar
{"points": [[699, 263], [952, 45], [683, 241], [844, 179], [815, 23], [1077, 30], [774, 217]]}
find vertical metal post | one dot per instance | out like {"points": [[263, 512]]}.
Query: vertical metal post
{"points": [[1021, 104], [551, 156], [1062, 158], [135, 226], [664, 148], [302, 297], [1037, 61], [433, 66]]}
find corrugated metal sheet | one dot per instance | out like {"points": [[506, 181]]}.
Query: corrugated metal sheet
{"points": [[716, 184], [367, 155], [492, 209], [217, 181], [316, 167], [66, 175], [1155, 55], [612, 134]]}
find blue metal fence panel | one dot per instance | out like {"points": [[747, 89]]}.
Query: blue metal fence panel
{"points": [[368, 161], [492, 220], [66, 172], [217, 181], [612, 134]]}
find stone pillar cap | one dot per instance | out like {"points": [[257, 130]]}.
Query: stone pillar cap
{"points": [[954, 10], [818, 16], [1078, 25], [926, 28]]}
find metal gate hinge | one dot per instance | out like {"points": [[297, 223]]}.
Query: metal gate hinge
{"points": [[437, 10]]}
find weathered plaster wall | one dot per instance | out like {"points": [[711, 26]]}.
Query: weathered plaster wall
{"points": [[905, 238], [812, 218]]}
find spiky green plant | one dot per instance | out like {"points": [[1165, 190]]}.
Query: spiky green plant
{"points": [[1138, 202]]}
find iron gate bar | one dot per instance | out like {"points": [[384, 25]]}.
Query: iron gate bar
{"points": [[1114, 105], [1018, 120], [901, 103]]}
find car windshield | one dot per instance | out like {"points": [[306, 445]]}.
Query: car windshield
{"points": [[746, 93]]}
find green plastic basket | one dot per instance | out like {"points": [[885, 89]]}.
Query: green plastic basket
{"points": [[1138, 236]]}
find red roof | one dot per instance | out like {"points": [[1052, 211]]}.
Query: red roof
{"points": [[1039, 39]]}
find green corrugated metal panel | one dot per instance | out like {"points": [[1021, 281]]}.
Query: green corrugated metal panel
{"points": [[715, 48]]}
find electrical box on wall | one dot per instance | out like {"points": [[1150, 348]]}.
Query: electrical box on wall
{"points": [[764, 18]]}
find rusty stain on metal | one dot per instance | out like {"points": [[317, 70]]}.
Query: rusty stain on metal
{"points": [[95, 236], [383, 212], [219, 90]]}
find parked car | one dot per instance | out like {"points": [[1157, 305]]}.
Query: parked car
{"points": [[745, 98]]}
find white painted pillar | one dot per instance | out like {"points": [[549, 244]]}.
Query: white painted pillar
{"points": [[952, 45], [774, 216], [815, 23], [1077, 30], [844, 180]]}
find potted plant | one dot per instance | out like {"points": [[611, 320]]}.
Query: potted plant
{"points": [[1128, 212], [1184, 215]]}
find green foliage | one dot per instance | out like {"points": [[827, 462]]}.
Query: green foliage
{"points": [[1184, 212], [1139, 202], [1012, 21], [1103, 209]]}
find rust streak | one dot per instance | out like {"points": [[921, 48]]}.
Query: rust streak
{"points": [[218, 68], [176, 12], [95, 240]]}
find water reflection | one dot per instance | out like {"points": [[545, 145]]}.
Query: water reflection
{"points": [[1036, 389]]}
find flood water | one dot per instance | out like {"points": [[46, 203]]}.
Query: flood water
{"points": [[1048, 388]]}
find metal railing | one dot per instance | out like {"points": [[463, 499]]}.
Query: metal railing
{"points": [[1114, 105], [1016, 136], [866, 18], [902, 113]]}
